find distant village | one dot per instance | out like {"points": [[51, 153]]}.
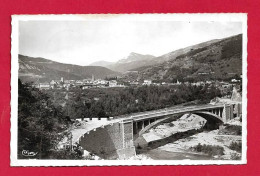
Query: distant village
{"points": [[103, 83], [83, 84]]}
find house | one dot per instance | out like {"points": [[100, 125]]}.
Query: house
{"points": [[177, 83], [54, 83], [66, 85], [235, 80], [96, 98], [44, 86], [87, 80], [199, 83], [100, 81], [134, 83], [112, 83], [87, 86], [203, 73], [147, 82], [78, 82]]}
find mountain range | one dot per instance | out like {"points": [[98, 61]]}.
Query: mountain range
{"points": [[101, 63], [44, 70], [132, 61], [214, 59]]}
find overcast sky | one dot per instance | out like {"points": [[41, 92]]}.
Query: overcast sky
{"points": [[84, 42]]}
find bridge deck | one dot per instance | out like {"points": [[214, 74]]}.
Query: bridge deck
{"points": [[168, 111]]}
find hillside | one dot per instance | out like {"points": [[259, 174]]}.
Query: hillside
{"points": [[215, 59], [33, 69]]}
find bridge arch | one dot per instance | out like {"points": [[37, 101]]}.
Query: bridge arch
{"points": [[209, 116], [213, 120]]}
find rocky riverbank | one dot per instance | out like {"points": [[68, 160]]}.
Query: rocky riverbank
{"points": [[227, 138]]}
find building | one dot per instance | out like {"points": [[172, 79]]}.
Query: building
{"points": [[44, 86], [78, 83], [235, 80], [112, 83], [86, 81], [177, 83], [87, 86], [134, 83], [147, 82], [54, 83], [199, 83]]}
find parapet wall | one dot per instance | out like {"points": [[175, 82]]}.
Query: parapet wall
{"points": [[112, 141]]}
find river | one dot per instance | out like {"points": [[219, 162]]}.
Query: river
{"points": [[158, 154]]}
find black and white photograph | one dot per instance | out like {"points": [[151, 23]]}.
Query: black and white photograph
{"points": [[128, 89]]}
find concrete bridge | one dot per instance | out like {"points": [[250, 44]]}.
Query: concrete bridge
{"points": [[119, 138], [214, 114]]}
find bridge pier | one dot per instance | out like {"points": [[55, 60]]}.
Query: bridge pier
{"points": [[139, 125], [135, 128], [218, 112], [228, 113], [238, 109], [146, 122], [128, 149]]}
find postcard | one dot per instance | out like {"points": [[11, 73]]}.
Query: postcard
{"points": [[129, 89]]}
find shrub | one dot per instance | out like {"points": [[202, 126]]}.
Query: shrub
{"points": [[138, 146], [237, 146], [231, 130], [209, 149], [235, 156], [170, 124], [64, 154]]}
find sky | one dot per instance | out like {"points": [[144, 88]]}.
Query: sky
{"points": [[87, 41]]}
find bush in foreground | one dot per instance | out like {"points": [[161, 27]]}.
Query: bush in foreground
{"points": [[235, 156], [237, 146], [209, 149], [231, 130]]}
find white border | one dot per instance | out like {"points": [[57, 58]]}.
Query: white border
{"points": [[235, 17]]}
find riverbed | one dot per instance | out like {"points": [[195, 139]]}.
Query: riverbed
{"points": [[175, 147], [159, 154]]}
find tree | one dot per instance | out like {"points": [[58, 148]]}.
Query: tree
{"points": [[41, 125]]}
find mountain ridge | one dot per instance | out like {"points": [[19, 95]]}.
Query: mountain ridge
{"points": [[214, 59], [37, 68], [101, 63], [133, 60]]}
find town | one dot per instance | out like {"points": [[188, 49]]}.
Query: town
{"points": [[223, 86]]}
